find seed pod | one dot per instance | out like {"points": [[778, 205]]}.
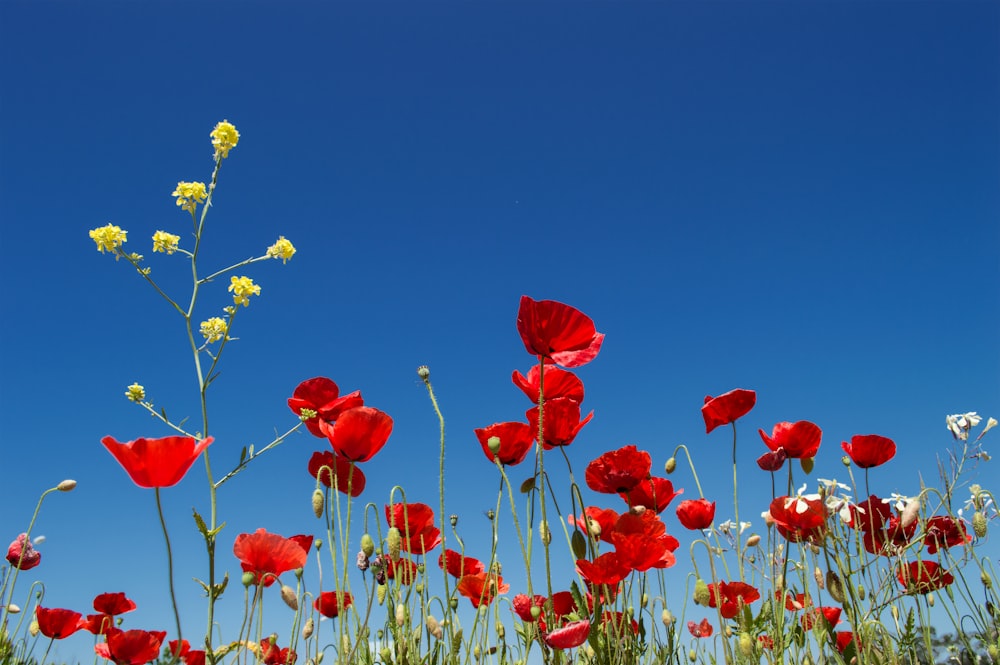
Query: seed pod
{"points": [[318, 502], [979, 524], [291, 599], [834, 586]]}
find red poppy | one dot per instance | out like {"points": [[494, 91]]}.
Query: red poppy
{"points": [[157, 462], [870, 514], [458, 565], [403, 571], [330, 603], [322, 396], [844, 639], [831, 615], [268, 555], [772, 460], [730, 596], [653, 494], [195, 657], [727, 408], [703, 629], [562, 604], [869, 450], [605, 570], [569, 636], [359, 433], [799, 519], [113, 604], [415, 522], [22, 554], [923, 576], [618, 470], [271, 654], [562, 422], [553, 331], [178, 649], [696, 514], [57, 623], [600, 519], [131, 647], [641, 542], [516, 440], [765, 641], [345, 473], [481, 588], [944, 531], [558, 383], [799, 440], [795, 602]]}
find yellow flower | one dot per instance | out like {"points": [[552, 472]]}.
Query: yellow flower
{"points": [[190, 194], [215, 328], [282, 249], [242, 288], [224, 138], [108, 237], [135, 393], [165, 242]]}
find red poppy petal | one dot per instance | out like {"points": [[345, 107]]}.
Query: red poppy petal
{"points": [[569, 636]]}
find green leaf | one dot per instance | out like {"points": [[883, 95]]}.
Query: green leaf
{"points": [[202, 527]]}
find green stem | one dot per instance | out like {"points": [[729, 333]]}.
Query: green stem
{"points": [[736, 510], [20, 560], [170, 570]]}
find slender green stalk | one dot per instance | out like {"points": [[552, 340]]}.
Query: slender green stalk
{"points": [[170, 569], [17, 568]]}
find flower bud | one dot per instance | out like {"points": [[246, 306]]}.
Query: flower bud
{"points": [[535, 611], [386, 654], [453, 603], [818, 576], [644, 600], [318, 502], [33, 629], [400, 614], [307, 630], [910, 513], [693, 656], [380, 593], [393, 540], [753, 540], [667, 618], [670, 465], [702, 596], [66, 486], [861, 592], [593, 528], [249, 579], [834, 586], [493, 443], [424, 372], [746, 645], [291, 599], [501, 631], [979, 524], [434, 627], [544, 532], [930, 599], [845, 460], [367, 545], [807, 464], [14, 609], [579, 545]]}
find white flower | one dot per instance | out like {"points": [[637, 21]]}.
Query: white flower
{"points": [[961, 423], [729, 525], [832, 486]]}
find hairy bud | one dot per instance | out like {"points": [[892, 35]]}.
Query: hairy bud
{"points": [[288, 595], [318, 502]]}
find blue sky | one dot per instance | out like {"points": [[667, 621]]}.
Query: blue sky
{"points": [[798, 198]]}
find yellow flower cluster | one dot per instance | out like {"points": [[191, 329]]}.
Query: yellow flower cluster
{"points": [[135, 393], [108, 238], [242, 288], [165, 242], [282, 249], [215, 328], [190, 194], [224, 138]]}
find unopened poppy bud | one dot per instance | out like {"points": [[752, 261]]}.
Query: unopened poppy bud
{"points": [[318, 503], [400, 614], [753, 540], [477, 652], [307, 630], [768, 519], [424, 372], [419, 588], [637, 510], [807, 464], [702, 596], [453, 603], [579, 545], [318, 544], [834, 586], [985, 578], [249, 579], [393, 540], [14, 609], [594, 528], [288, 595], [380, 593], [930, 599], [979, 524], [66, 486], [746, 645], [386, 654], [818, 576], [454, 520], [671, 465], [667, 618], [544, 532], [433, 627], [729, 631], [501, 631], [367, 545], [644, 600], [493, 443], [693, 656], [535, 611], [33, 629]]}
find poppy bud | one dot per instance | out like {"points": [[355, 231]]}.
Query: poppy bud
{"points": [[433, 627], [987, 581], [845, 460], [307, 630], [729, 631], [424, 372], [834, 586], [670, 465], [454, 520], [753, 540], [318, 544], [367, 545], [930, 599], [544, 533], [910, 513], [33, 629], [318, 503], [249, 579], [807, 464], [979, 524], [380, 592], [579, 545], [400, 614], [453, 603], [667, 618], [386, 654], [535, 612], [419, 588], [702, 596], [818, 576], [288, 595], [14, 609], [493, 443], [393, 540], [861, 592], [693, 656], [501, 631], [66, 486], [746, 645], [644, 600], [593, 528]]}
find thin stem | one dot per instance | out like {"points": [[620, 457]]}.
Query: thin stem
{"points": [[736, 509], [170, 569], [20, 560]]}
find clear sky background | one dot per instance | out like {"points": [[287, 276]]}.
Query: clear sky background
{"points": [[795, 197]]}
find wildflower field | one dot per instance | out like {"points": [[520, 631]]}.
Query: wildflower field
{"points": [[588, 559]]}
